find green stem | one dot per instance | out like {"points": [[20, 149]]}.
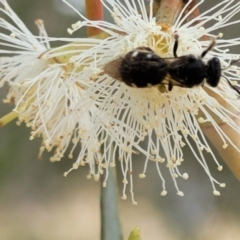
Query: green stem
{"points": [[8, 118], [110, 222]]}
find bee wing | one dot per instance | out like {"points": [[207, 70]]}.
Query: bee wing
{"points": [[112, 68], [171, 82], [180, 61]]}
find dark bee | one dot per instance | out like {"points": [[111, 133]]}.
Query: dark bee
{"points": [[139, 68], [143, 68]]}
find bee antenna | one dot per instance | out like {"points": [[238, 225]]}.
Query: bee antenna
{"points": [[209, 48], [230, 84], [175, 46]]}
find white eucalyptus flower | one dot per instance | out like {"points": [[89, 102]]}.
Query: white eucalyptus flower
{"points": [[74, 101], [39, 88]]}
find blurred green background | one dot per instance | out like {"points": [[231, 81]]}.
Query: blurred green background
{"points": [[38, 203]]}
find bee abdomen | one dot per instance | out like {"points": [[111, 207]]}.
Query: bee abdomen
{"points": [[142, 68]]}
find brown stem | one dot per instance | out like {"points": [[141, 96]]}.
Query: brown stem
{"points": [[168, 11], [230, 155], [155, 7], [194, 13], [94, 12]]}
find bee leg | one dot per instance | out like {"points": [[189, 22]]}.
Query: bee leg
{"points": [[175, 46], [170, 86], [233, 87]]}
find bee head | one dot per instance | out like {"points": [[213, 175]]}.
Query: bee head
{"points": [[213, 72]]}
